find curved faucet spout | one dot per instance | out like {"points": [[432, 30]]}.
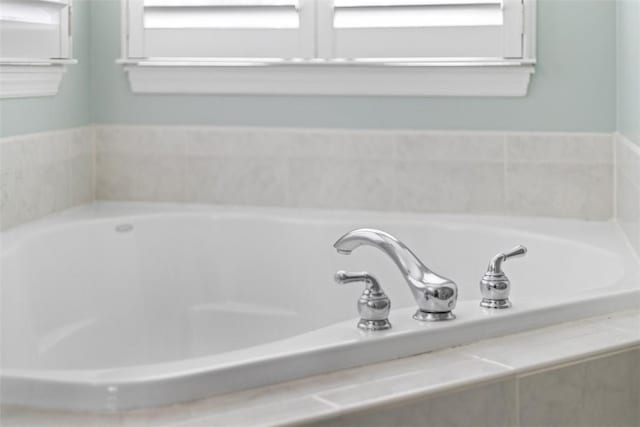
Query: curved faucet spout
{"points": [[410, 266], [432, 292]]}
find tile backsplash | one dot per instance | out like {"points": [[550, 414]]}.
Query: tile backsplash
{"points": [[539, 174], [44, 173], [560, 175]]}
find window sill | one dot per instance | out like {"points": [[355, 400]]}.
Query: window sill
{"points": [[500, 78], [24, 79]]}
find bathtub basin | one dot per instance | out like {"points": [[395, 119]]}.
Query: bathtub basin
{"points": [[117, 306]]}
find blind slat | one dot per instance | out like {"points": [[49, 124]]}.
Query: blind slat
{"points": [[221, 3], [186, 17], [35, 12], [403, 3], [419, 16]]}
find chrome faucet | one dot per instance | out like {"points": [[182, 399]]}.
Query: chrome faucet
{"points": [[373, 305], [495, 286], [435, 295]]}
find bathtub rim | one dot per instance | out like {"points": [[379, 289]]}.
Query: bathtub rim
{"points": [[99, 381]]}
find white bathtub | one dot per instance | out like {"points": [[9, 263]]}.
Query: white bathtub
{"points": [[186, 302]]}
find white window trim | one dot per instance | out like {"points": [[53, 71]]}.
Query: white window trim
{"points": [[20, 79], [36, 77], [446, 79], [468, 77]]}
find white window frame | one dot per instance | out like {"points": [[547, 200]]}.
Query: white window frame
{"points": [[33, 77], [498, 77]]}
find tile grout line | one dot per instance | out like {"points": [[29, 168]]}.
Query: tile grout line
{"points": [[327, 402], [614, 144], [332, 130], [517, 400], [395, 166], [490, 361], [94, 155], [505, 173]]}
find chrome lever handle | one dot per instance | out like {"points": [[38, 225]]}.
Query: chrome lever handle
{"points": [[495, 286], [344, 277], [495, 265], [373, 305], [516, 252]]}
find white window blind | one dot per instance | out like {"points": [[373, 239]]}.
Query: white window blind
{"points": [[421, 29], [34, 29], [221, 28], [331, 47]]}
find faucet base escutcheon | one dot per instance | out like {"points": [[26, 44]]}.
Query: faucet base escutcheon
{"points": [[374, 325], [495, 303], [424, 316]]}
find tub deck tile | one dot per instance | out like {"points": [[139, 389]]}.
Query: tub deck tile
{"points": [[344, 392]]}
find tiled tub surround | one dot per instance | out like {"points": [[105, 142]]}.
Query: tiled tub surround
{"points": [[601, 356], [584, 373], [538, 174], [545, 174], [628, 189], [44, 173]]}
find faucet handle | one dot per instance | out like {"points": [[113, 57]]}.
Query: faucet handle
{"points": [[373, 305], [516, 252], [495, 265], [495, 286]]}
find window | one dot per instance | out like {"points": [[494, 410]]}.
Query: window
{"points": [[389, 47], [35, 43]]}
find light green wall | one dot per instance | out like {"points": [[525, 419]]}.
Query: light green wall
{"points": [[573, 89], [72, 106], [628, 53]]}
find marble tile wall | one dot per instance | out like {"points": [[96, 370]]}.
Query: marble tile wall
{"points": [[538, 174], [627, 184], [602, 391], [44, 173], [487, 405], [559, 175], [597, 392]]}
